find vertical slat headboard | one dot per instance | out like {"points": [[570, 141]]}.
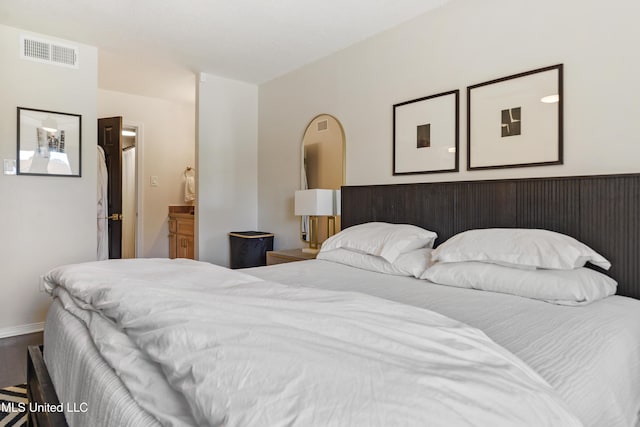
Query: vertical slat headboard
{"points": [[602, 211]]}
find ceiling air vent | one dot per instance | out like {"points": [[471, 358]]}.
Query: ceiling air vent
{"points": [[323, 125], [49, 52]]}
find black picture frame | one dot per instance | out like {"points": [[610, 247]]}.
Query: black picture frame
{"points": [[426, 134], [516, 121], [49, 143]]}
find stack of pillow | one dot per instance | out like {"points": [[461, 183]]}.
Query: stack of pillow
{"points": [[531, 263], [398, 249]]}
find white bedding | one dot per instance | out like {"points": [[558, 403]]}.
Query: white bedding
{"points": [[80, 375], [590, 354], [235, 346]]}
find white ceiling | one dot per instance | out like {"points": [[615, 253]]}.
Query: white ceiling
{"points": [[249, 40]]}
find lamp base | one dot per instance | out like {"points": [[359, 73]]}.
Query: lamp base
{"points": [[310, 251]]}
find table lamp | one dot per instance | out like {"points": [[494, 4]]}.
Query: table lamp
{"points": [[314, 203]]}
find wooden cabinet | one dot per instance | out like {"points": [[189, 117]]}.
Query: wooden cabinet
{"points": [[181, 232], [289, 255]]}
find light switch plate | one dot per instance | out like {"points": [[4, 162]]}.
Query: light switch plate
{"points": [[154, 181], [9, 166]]}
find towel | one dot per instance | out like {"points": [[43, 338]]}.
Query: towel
{"points": [[189, 186]]}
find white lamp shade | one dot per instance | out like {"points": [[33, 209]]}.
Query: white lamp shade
{"points": [[316, 202], [337, 202]]}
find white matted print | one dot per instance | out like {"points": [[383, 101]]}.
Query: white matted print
{"points": [[49, 143], [516, 121], [425, 134]]}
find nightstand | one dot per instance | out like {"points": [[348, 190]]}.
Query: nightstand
{"points": [[288, 255]]}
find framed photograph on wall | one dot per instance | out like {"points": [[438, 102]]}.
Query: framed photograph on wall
{"points": [[516, 121], [426, 134], [49, 143]]}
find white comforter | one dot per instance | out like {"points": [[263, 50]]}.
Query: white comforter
{"points": [[196, 343]]}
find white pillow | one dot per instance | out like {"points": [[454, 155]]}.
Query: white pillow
{"points": [[381, 239], [520, 248], [412, 263], [565, 287]]}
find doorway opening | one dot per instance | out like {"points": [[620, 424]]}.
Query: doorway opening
{"points": [[121, 144], [129, 191]]}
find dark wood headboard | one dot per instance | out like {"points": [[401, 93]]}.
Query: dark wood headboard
{"points": [[602, 211]]}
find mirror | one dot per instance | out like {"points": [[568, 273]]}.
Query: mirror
{"points": [[323, 164]]}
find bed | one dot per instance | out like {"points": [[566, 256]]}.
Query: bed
{"points": [[589, 355]]}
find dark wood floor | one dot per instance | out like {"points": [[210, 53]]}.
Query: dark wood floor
{"points": [[13, 358]]}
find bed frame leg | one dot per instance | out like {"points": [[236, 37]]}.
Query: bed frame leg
{"points": [[40, 392]]}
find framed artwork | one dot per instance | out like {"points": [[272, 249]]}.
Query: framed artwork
{"points": [[49, 143], [426, 134], [516, 121]]}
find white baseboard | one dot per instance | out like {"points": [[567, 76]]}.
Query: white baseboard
{"points": [[21, 330]]}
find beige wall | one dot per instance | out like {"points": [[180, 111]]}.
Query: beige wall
{"points": [[44, 221], [166, 148], [227, 164], [462, 43]]}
